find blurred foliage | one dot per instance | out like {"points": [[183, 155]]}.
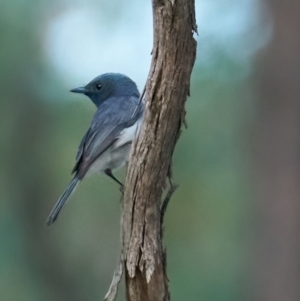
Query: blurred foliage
{"points": [[208, 223]]}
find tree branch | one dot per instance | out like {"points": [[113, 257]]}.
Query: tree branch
{"points": [[167, 88]]}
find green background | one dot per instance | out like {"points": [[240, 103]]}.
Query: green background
{"points": [[210, 224]]}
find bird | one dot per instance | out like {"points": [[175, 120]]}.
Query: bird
{"points": [[106, 144]]}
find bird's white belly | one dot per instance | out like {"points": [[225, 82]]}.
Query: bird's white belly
{"points": [[129, 134], [113, 158]]}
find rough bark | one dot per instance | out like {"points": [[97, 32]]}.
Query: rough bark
{"points": [[278, 164], [167, 88]]}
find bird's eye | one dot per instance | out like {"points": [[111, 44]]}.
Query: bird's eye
{"points": [[98, 86]]}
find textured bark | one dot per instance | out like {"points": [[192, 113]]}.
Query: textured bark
{"points": [[165, 94], [278, 164]]}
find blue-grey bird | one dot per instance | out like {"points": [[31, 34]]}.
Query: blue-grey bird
{"points": [[106, 144]]}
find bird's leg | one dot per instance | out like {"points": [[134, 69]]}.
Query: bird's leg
{"points": [[109, 173]]}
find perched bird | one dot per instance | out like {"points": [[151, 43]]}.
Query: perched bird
{"points": [[106, 144]]}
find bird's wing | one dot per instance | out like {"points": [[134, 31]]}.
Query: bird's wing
{"points": [[112, 117]]}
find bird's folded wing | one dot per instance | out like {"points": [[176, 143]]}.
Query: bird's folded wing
{"points": [[104, 131]]}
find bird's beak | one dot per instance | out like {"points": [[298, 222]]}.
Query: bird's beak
{"points": [[81, 90]]}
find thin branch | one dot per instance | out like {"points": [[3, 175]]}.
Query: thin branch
{"points": [[113, 289]]}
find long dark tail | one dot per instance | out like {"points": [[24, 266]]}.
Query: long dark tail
{"points": [[62, 200]]}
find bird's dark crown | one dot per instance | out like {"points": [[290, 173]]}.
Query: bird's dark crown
{"points": [[108, 85]]}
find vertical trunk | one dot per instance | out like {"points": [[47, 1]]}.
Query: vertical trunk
{"points": [[166, 91], [278, 159]]}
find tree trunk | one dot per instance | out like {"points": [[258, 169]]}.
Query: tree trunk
{"points": [[167, 88], [278, 168]]}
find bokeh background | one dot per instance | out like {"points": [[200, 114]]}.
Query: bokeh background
{"points": [[232, 228]]}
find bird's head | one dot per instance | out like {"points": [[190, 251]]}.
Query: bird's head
{"points": [[108, 85]]}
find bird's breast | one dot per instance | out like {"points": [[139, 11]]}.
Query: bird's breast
{"points": [[128, 134]]}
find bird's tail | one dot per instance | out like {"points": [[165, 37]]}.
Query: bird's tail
{"points": [[62, 200]]}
